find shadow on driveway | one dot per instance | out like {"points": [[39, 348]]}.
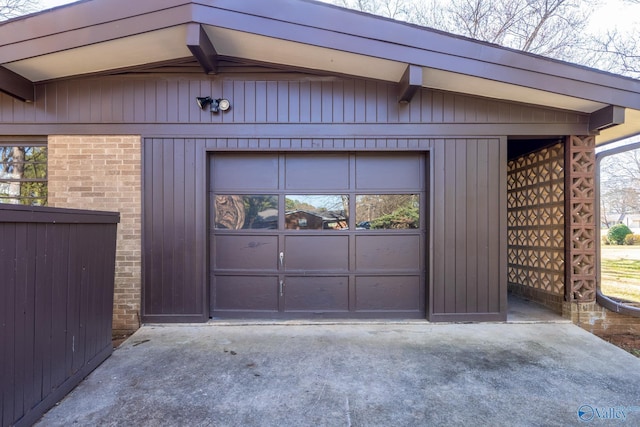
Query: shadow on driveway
{"points": [[391, 374]]}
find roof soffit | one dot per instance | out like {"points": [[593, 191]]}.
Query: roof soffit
{"points": [[110, 55], [335, 20], [99, 35]]}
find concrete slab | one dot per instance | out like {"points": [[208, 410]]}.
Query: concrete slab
{"points": [[521, 310], [392, 374]]}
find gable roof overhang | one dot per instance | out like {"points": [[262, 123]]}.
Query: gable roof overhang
{"points": [[106, 36]]}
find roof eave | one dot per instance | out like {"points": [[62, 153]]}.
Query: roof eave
{"points": [[201, 26]]}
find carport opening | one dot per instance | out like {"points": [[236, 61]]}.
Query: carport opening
{"points": [[535, 224]]}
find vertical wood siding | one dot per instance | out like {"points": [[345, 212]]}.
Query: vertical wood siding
{"points": [[314, 113], [468, 207], [175, 286], [171, 99], [174, 230], [56, 299], [469, 230]]}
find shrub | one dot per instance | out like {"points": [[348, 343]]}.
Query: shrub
{"points": [[617, 233], [632, 239], [605, 241], [402, 218]]}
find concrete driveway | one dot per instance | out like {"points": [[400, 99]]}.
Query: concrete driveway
{"points": [[363, 374]]}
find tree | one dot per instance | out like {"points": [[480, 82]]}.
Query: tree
{"points": [[617, 52], [17, 172], [553, 28], [617, 233], [402, 218], [13, 8], [388, 210], [395, 9], [619, 186], [546, 27]]}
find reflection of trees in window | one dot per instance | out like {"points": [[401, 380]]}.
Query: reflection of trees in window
{"points": [[23, 175], [388, 211], [262, 212], [297, 205], [236, 212], [319, 204], [229, 212]]}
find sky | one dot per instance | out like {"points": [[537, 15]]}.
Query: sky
{"points": [[48, 4]]}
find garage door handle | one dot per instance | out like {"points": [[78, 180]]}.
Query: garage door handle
{"points": [[281, 287], [281, 259]]}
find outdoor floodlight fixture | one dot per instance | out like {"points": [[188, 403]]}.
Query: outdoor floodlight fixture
{"points": [[215, 105]]}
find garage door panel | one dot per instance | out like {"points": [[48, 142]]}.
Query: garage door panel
{"points": [[395, 172], [316, 294], [318, 234], [248, 293], [318, 172], [388, 252], [397, 293], [245, 252], [317, 253], [235, 172]]}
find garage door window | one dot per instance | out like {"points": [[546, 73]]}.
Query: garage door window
{"points": [[317, 212], [388, 211], [246, 212]]}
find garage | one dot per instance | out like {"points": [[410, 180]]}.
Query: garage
{"points": [[317, 235], [314, 164]]}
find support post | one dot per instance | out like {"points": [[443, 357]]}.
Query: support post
{"points": [[580, 220]]}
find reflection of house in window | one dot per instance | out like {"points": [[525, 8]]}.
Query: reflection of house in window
{"points": [[304, 220], [268, 218]]}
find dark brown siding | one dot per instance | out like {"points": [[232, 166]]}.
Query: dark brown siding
{"points": [[56, 299], [469, 230], [174, 230], [171, 99], [468, 205], [290, 112], [174, 214]]}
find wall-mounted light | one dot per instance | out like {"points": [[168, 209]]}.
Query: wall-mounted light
{"points": [[215, 105]]}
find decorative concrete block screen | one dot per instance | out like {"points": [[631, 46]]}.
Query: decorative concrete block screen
{"points": [[536, 225], [56, 304]]}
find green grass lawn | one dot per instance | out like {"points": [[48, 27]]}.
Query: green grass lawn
{"points": [[620, 267]]}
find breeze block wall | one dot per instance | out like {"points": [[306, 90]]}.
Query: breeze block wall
{"points": [[536, 226], [104, 173]]}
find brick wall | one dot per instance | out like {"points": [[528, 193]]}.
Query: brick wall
{"points": [[104, 173], [598, 320]]}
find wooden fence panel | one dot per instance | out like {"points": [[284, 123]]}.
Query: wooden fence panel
{"points": [[56, 304]]}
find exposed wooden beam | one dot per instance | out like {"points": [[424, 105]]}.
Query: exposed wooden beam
{"points": [[17, 86], [201, 47], [606, 118], [409, 84], [292, 131]]}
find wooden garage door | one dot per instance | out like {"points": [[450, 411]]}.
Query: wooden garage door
{"points": [[317, 235]]}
